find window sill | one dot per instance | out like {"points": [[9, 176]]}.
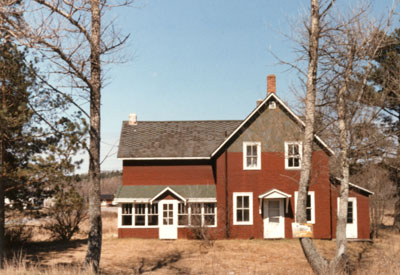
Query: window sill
{"points": [[133, 226], [293, 168], [242, 223], [251, 168]]}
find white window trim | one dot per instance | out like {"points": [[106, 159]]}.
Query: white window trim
{"points": [[250, 195], [287, 143], [312, 194], [120, 225], [202, 215], [245, 144]]}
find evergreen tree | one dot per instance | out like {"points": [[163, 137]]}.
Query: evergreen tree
{"points": [[386, 81], [37, 144]]}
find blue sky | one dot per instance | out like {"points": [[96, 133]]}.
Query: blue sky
{"points": [[198, 60]]}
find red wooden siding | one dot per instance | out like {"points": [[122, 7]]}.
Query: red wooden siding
{"points": [[160, 174]]}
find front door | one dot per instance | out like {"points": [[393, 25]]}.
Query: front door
{"points": [[274, 220], [168, 219]]}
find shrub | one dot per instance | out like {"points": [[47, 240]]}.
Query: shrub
{"points": [[66, 214]]}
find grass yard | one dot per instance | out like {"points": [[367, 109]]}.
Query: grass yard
{"points": [[138, 256]]}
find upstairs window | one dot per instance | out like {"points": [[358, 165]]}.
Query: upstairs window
{"points": [[293, 155], [251, 155]]}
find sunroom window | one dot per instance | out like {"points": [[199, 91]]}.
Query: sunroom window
{"points": [[127, 214]]}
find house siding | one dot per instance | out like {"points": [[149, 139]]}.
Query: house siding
{"points": [[273, 175], [167, 173], [272, 128]]}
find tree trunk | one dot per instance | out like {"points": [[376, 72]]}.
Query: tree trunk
{"points": [[317, 263], [95, 232], [396, 222], [339, 262], [2, 206], [2, 183]]}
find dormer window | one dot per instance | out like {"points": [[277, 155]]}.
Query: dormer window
{"points": [[251, 155], [293, 155]]}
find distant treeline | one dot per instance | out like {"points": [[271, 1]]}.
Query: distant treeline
{"points": [[103, 175]]}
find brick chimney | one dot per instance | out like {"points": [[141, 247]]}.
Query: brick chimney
{"points": [[132, 119], [271, 84]]}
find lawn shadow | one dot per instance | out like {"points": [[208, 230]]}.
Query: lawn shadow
{"points": [[34, 252], [164, 261]]}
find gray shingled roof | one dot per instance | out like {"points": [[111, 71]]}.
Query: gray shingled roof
{"points": [[154, 139], [149, 191]]}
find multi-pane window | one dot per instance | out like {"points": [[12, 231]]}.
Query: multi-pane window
{"points": [[168, 214], [153, 214], [195, 217], [183, 214], [251, 155], [293, 155], [189, 214], [140, 214], [127, 214], [243, 208], [209, 213], [310, 206], [350, 212]]}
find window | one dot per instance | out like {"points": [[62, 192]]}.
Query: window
{"points": [[242, 208], [183, 214], [310, 206], [350, 212], [251, 155], [146, 215], [140, 214], [127, 214], [209, 214], [195, 217], [293, 154], [153, 214]]}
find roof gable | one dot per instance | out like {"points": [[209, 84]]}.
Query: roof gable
{"points": [[259, 108]]}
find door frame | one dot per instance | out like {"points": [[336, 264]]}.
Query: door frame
{"points": [[281, 218], [168, 232]]}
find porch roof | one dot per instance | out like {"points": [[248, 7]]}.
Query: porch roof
{"points": [[274, 194], [150, 192]]}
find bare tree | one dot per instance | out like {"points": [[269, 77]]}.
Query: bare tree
{"points": [[71, 36], [339, 51]]}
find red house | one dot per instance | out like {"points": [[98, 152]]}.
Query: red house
{"points": [[237, 179]]}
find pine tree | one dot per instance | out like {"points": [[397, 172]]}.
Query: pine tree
{"points": [[386, 81]]}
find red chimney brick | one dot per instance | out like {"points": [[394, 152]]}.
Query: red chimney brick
{"points": [[271, 84]]}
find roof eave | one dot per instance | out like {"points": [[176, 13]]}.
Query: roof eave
{"points": [[166, 158]]}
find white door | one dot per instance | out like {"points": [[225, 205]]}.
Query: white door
{"points": [[274, 220], [351, 227], [168, 219]]}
